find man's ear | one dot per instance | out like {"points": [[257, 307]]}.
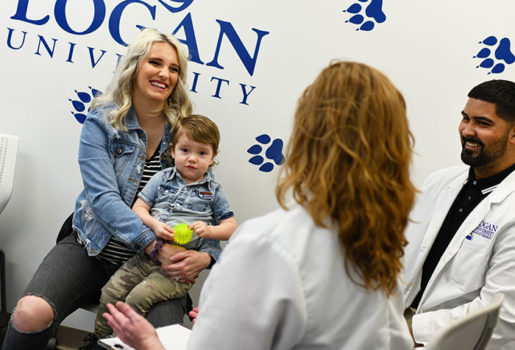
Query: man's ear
{"points": [[512, 134]]}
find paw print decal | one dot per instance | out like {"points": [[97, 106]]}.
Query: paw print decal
{"points": [[81, 104], [274, 152], [373, 14], [501, 56]]}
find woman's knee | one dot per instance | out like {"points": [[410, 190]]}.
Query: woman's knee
{"points": [[32, 314]]}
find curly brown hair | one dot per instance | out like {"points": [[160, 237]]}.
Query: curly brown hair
{"points": [[348, 160]]}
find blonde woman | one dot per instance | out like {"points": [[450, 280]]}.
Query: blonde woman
{"points": [[322, 272], [124, 141]]}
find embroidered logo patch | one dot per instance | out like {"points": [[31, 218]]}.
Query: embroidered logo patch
{"points": [[207, 196], [485, 229]]}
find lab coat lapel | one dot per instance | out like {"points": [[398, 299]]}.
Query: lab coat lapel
{"points": [[442, 205]]}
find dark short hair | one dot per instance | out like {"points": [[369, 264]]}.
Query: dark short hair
{"points": [[501, 93]]}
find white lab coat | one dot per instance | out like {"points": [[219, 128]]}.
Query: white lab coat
{"points": [[471, 271], [281, 284]]}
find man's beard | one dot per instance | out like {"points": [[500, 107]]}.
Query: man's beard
{"points": [[484, 157]]}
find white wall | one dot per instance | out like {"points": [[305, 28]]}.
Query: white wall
{"points": [[426, 47]]}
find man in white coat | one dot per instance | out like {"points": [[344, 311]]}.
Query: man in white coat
{"points": [[461, 249]]}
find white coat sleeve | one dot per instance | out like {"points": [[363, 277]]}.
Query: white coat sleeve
{"points": [[251, 300], [499, 278]]}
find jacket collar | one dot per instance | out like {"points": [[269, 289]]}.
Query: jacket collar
{"points": [[491, 180], [504, 189], [206, 179], [131, 120]]}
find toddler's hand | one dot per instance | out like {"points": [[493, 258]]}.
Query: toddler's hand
{"points": [[162, 230], [201, 229]]}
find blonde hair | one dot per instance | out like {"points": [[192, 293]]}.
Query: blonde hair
{"points": [[120, 89], [348, 160]]}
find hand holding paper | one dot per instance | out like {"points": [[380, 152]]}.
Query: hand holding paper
{"points": [[132, 328]]}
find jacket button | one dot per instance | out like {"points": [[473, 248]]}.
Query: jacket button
{"points": [[119, 150]]}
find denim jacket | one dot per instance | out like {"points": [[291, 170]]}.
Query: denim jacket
{"points": [[111, 163], [174, 202]]}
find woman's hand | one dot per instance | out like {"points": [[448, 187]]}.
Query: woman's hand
{"points": [[132, 328], [167, 252], [185, 266], [193, 314]]}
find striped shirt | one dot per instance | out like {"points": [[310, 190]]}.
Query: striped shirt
{"points": [[115, 252]]}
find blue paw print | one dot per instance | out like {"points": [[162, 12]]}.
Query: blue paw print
{"points": [[81, 105], [502, 54], [373, 14], [274, 152]]}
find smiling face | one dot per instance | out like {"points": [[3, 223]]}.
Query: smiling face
{"points": [[192, 159], [485, 138], [157, 74]]}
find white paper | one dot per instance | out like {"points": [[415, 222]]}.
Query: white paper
{"points": [[174, 337]]}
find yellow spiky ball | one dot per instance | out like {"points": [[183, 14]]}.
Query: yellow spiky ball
{"points": [[183, 234]]}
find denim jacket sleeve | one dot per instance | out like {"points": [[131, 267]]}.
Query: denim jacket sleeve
{"points": [[221, 207], [150, 192], [102, 186]]}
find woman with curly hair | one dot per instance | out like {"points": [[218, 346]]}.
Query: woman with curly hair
{"points": [[124, 141], [321, 272]]}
